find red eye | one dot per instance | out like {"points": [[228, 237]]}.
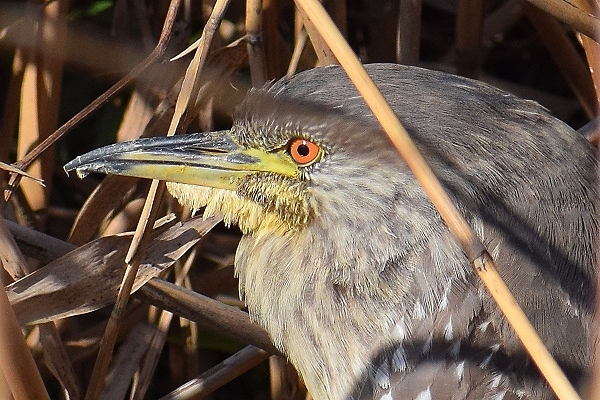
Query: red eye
{"points": [[303, 151]]}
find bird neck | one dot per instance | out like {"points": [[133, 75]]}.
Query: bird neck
{"points": [[299, 313], [327, 318]]}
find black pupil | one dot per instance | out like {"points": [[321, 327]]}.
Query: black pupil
{"points": [[303, 150]]}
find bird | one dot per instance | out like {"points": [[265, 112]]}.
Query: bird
{"points": [[345, 261]]}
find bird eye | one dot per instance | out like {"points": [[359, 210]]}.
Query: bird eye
{"points": [[303, 152]]}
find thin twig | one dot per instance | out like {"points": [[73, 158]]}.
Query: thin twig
{"points": [[150, 360], [191, 81], [139, 240], [190, 88], [132, 260], [234, 366], [156, 55], [300, 40]]}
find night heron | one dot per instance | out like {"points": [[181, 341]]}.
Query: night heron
{"points": [[345, 261]]}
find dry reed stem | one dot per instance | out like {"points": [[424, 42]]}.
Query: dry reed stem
{"points": [[579, 19], [16, 362], [565, 55], [40, 148], [472, 246], [300, 39], [132, 259], [40, 103], [408, 41], [468, 37], [158, 339], [189, 91], [211, 380], [206, 312], [592, 47], [324, 53], [256, 51]]}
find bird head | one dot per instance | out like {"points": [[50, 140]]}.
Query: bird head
{"points": [[253, 187], [272, 171]]}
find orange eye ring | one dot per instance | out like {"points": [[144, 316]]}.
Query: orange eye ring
{"points": [[303, 152]]}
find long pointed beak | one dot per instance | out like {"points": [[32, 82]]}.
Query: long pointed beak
{"points": [[207, 159]]}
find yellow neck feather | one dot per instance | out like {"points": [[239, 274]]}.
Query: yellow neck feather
{"points": [[242, 211]]}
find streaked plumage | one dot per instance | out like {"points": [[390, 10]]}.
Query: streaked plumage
{"points": [[351, 270]]}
